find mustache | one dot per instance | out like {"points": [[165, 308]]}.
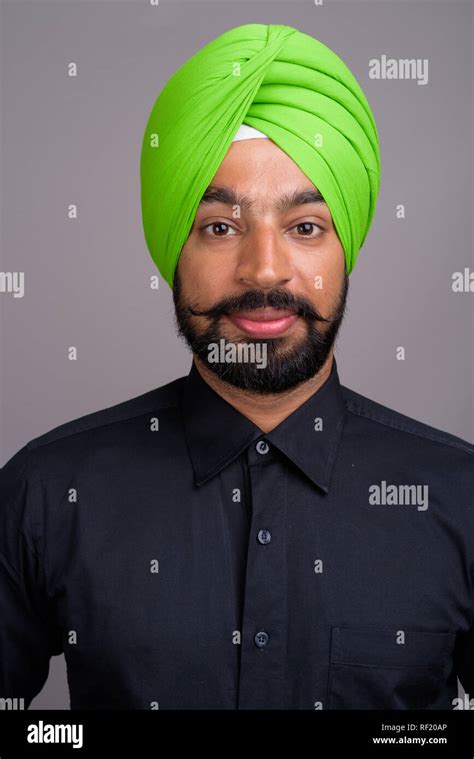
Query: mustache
{"points": [[255, 299]]}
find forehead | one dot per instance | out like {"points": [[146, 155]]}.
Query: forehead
{"points": [[258, 161], [257, 175]]}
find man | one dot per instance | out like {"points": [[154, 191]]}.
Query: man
{"points": [[253, 535]]}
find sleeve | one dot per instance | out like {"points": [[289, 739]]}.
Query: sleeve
{"points": [[28, 637]]}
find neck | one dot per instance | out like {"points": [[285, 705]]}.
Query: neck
{"points": [[266, 411]]}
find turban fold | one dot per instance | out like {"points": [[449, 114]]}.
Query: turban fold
{"points": [[287, 85]]}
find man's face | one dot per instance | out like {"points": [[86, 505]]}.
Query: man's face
{"points": [[262, 265]]}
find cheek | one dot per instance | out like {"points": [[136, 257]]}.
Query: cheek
{"points": [[203, 279], [320, 276], [211, 270], [326, 263]]}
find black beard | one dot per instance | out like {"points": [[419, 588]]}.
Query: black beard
{"points": [[287, 366]]}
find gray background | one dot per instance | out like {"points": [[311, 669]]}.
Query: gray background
{"points": [[77, 140]]}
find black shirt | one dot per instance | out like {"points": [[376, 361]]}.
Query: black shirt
{"points": [[183, 559]]}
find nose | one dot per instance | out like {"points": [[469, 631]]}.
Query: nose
{"points": [[264, 260]]}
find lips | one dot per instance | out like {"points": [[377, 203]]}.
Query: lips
{"points": [[264, 322]]}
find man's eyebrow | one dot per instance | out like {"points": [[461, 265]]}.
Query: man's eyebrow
{"points": [[231, 197], [298, 198]]}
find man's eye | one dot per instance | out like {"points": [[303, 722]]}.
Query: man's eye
{"points": [[219, 229], [308, 229]]}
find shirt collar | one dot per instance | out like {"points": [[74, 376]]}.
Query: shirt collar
{"points": [[216, 433]]}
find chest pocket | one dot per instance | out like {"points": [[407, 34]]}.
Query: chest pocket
{"points": [[389, 669]]}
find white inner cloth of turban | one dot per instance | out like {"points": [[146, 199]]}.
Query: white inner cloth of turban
{"points": [[245, 132]]}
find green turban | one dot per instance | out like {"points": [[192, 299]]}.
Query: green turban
{"points": [[291, 88]]}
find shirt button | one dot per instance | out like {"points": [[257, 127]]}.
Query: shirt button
{"points": [[264, 537], [261, 639], [262, 447]]}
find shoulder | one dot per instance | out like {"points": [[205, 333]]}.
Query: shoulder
{"points": [[387, 420], [92, 431]]}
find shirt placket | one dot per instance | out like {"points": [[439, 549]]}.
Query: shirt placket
{"points": [[264, 627]]}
